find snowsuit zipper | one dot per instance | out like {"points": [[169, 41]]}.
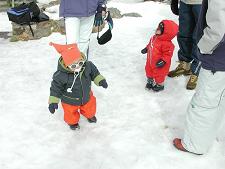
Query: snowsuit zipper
{"points": [[151, 51]]}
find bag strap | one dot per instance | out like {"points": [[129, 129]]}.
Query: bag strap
{"points": [[31, 29], [98, 33]]}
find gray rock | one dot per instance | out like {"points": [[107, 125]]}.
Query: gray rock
{"points": [[115, 13], [42, 29], [132, 14], [5, 35]]}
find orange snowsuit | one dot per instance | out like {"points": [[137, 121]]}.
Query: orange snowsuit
{"points": [[72, 112]]}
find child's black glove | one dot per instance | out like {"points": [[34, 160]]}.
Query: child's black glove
{"points": [[160, 63], [52, 107], [174, 7], [103, 83], [144, 51]]}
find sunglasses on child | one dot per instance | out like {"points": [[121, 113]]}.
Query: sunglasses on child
{"points": [[76, 65]]}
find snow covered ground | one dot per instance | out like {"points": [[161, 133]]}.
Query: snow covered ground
{"points": [[135, 127]]}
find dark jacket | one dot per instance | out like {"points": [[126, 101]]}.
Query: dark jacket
{"points": [[210, 35], [63, 79]]}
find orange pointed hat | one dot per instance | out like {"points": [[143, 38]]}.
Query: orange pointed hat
{"points": [[70, 53]]}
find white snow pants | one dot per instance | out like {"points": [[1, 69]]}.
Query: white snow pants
{"points": [[78, 30], [206, 111]]}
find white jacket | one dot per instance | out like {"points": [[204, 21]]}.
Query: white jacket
{"points": [[215, 30]]}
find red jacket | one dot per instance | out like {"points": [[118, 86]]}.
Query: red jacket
{"points": [[161, 47]]}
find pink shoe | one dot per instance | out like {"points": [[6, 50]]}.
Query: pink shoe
{"points": [[177, 143]]}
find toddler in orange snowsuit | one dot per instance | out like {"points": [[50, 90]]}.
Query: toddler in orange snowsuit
{"points": [[72, 85]]}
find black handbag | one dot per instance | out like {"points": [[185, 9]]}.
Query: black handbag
{"points": [[24, 14]]}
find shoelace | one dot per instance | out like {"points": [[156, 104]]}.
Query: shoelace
{"points": [[193, 78]]}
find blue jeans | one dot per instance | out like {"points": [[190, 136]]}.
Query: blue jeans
{"points": [[188, 52]]}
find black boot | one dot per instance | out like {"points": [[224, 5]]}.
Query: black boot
{"points": [[158, 87], [92, 120], [149, 84], [74, 126]]}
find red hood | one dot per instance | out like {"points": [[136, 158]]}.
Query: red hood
{"points": [[170, 30]]}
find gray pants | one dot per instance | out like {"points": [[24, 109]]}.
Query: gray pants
{"points": [[205, 113]]}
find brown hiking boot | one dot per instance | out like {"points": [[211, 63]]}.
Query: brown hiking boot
{"points": [[192, 83], [182, 69]]}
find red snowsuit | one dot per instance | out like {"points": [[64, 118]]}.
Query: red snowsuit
{"points": [[161, 47]]}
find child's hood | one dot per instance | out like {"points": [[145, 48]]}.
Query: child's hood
{"points": [[62, 67], [170, 30]]}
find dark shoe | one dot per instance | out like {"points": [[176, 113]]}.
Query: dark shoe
{"points": [[192, 83], [158, 87], [74, 126], [178, 145], [182, 69], [92, 120], [148, 86], [150, 83]]}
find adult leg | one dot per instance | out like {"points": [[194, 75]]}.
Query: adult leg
{"points": [[186, 29], [196, 64], [184, 38], [86, 27], [72, 26], [204, 113]]}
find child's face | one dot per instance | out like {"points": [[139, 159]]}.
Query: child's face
{"points": [[76, 66], [158, 31]]}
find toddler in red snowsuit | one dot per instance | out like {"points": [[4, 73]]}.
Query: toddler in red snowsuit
{"points": [[159, 53]]}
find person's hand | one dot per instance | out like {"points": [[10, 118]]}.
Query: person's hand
{"points": [[98, 16], [52, 107], [103, 83], [174, 7], [144, 51], [160, 63]]}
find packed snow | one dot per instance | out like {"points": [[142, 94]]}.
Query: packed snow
{"points": [[135, 127]]}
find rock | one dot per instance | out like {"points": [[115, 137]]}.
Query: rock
{"points": [[115, 13], [5, 35], [42, 29], [132, 14], [52, 3]]}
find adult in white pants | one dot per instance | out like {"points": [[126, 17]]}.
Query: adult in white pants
{"points": [[80, 15], [78, 30], [206, 111]]}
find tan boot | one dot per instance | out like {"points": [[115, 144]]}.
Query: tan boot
{"points": [[182, 69], [192, 83]]}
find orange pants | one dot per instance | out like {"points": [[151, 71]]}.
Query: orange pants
{"points": [[72, 112]]}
